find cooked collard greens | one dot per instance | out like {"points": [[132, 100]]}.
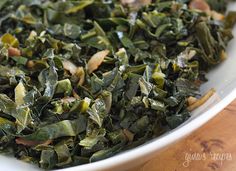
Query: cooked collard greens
{"points": [[82, 80]]}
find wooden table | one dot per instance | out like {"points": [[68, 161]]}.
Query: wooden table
{"points": [[210, 148]]}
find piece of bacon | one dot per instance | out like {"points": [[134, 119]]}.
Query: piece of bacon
{"points": [[13, 51], [96, 60], [200, 5], [22, 141]]}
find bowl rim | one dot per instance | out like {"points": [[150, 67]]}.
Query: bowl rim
{"points": [[159, 142]]}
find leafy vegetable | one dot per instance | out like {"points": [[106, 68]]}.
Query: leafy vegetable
{"points": [[81, 81], [21, 114], [60, 129]]}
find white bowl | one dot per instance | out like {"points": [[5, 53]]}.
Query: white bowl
{"points": [[222, 78]]}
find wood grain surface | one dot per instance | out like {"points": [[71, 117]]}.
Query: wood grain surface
{"points": [[210, 148]]}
